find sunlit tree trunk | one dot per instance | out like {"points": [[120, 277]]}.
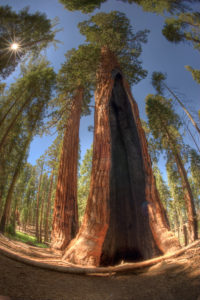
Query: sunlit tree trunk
{"points": [[65, 218], [124, 218]]}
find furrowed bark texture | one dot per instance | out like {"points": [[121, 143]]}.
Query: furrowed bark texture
{"points": [[124, 218], [65, 219]]}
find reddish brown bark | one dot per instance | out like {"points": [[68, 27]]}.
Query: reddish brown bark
{"points": [[65, 219], [124, 218]]}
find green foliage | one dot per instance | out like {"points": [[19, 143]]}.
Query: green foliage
{"points": [[84, 182], [27, 198], [159, 7], [31, 31], [195, 173], [79, 70], [114, 31], [183, 28], [27, 98], [86, 6], [162, 6], [154, 148], [25, 238], [52, 154], [162, 187], [22, 112], [177, 210], [157, 80], [195, 73], [162, 118], [10, 229]]}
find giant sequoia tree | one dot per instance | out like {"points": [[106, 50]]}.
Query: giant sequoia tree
{"points": [[75, 81], [124, 217]]}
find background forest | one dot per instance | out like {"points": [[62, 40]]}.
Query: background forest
{"points": [[39, 87]]}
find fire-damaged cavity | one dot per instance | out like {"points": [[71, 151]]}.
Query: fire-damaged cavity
{"points": [[129, 237]]}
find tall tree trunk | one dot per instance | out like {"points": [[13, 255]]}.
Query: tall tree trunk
{"points": [[124, 218], [14, 217], [1, 196], [12, 123], [65, 218], [9, 110], [41, 217], [37, 208], [189, 200], [7, 206], [46, 230]]}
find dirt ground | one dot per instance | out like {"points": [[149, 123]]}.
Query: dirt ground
{"points": [[173, 279]]}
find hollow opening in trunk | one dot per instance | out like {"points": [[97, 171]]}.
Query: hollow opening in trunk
{"points": [[129, 237]]}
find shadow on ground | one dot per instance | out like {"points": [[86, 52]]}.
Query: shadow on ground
{"points": [[165, 281]]}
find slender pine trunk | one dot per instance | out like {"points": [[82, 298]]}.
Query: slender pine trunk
{"points": [[12, 123], [13, 222], [46, 231], [8, 111], [41, 218], [7, 206], [37, 208]]}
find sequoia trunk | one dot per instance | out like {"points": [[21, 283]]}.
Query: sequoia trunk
{"points": [[65, 219], [124, 218]]}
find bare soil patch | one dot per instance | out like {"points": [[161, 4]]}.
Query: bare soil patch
{"points": [[172, 279]]}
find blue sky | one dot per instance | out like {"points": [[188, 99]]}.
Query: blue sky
{"points": [[158, 55]]}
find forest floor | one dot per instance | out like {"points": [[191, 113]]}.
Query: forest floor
{"points": [[175, 278]]}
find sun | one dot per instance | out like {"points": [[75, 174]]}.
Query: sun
{"points": [[14, 46]]}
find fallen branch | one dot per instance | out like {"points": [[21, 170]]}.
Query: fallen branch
{"points": [[75, 269]]}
